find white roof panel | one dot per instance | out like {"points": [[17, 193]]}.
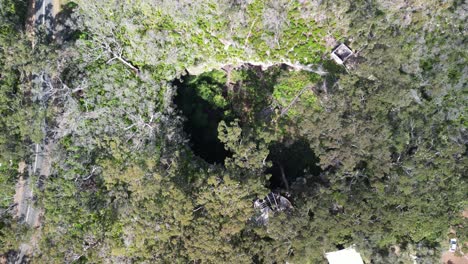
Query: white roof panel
{"points": [[345, 256]]}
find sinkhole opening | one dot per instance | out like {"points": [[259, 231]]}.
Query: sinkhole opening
{"points": [[290, 162], [250, 95], [202, 116]]}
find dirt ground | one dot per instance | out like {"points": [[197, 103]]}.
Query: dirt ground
{"points": [[31, 18], [56, 5], [21, 167], [19, 196], [450, 258]]}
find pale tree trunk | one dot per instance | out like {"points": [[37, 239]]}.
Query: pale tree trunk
{"points": [[283, 177]]}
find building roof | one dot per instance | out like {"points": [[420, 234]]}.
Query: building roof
{"points": [[345, 256], [341, 53]]}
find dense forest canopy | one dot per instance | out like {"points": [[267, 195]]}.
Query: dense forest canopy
{"points": [[146, 129]]}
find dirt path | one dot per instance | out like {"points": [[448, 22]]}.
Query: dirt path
{"points": [[24, 199], [31, 18], [56, 7], [19, 197], [199, 69]]}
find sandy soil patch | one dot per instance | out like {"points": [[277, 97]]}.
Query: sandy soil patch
{"points": [[21, 166], [450, 258], [18, 197], [46, 162], [56, 6], [30, 18]]}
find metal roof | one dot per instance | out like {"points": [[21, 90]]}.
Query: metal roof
{"points": [[345, 256]]}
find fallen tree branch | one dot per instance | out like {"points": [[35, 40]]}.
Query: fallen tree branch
{"points": [[10, 208], [285, 110], [250, 33]]}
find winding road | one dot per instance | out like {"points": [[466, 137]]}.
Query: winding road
{"points": [[41, 17]]}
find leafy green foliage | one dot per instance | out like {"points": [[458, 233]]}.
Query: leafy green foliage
{"points": [[130, 182], [296, 86], [209, 87]]}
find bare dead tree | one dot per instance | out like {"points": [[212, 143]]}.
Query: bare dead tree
{"points": [[283, 177], [114, 49]]}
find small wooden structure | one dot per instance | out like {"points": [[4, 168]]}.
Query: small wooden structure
{"points": [[341, 53]]}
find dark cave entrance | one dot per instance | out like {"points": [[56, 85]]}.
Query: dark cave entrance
{"points": [[201, 119], [293, 161], [205, 100]]}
